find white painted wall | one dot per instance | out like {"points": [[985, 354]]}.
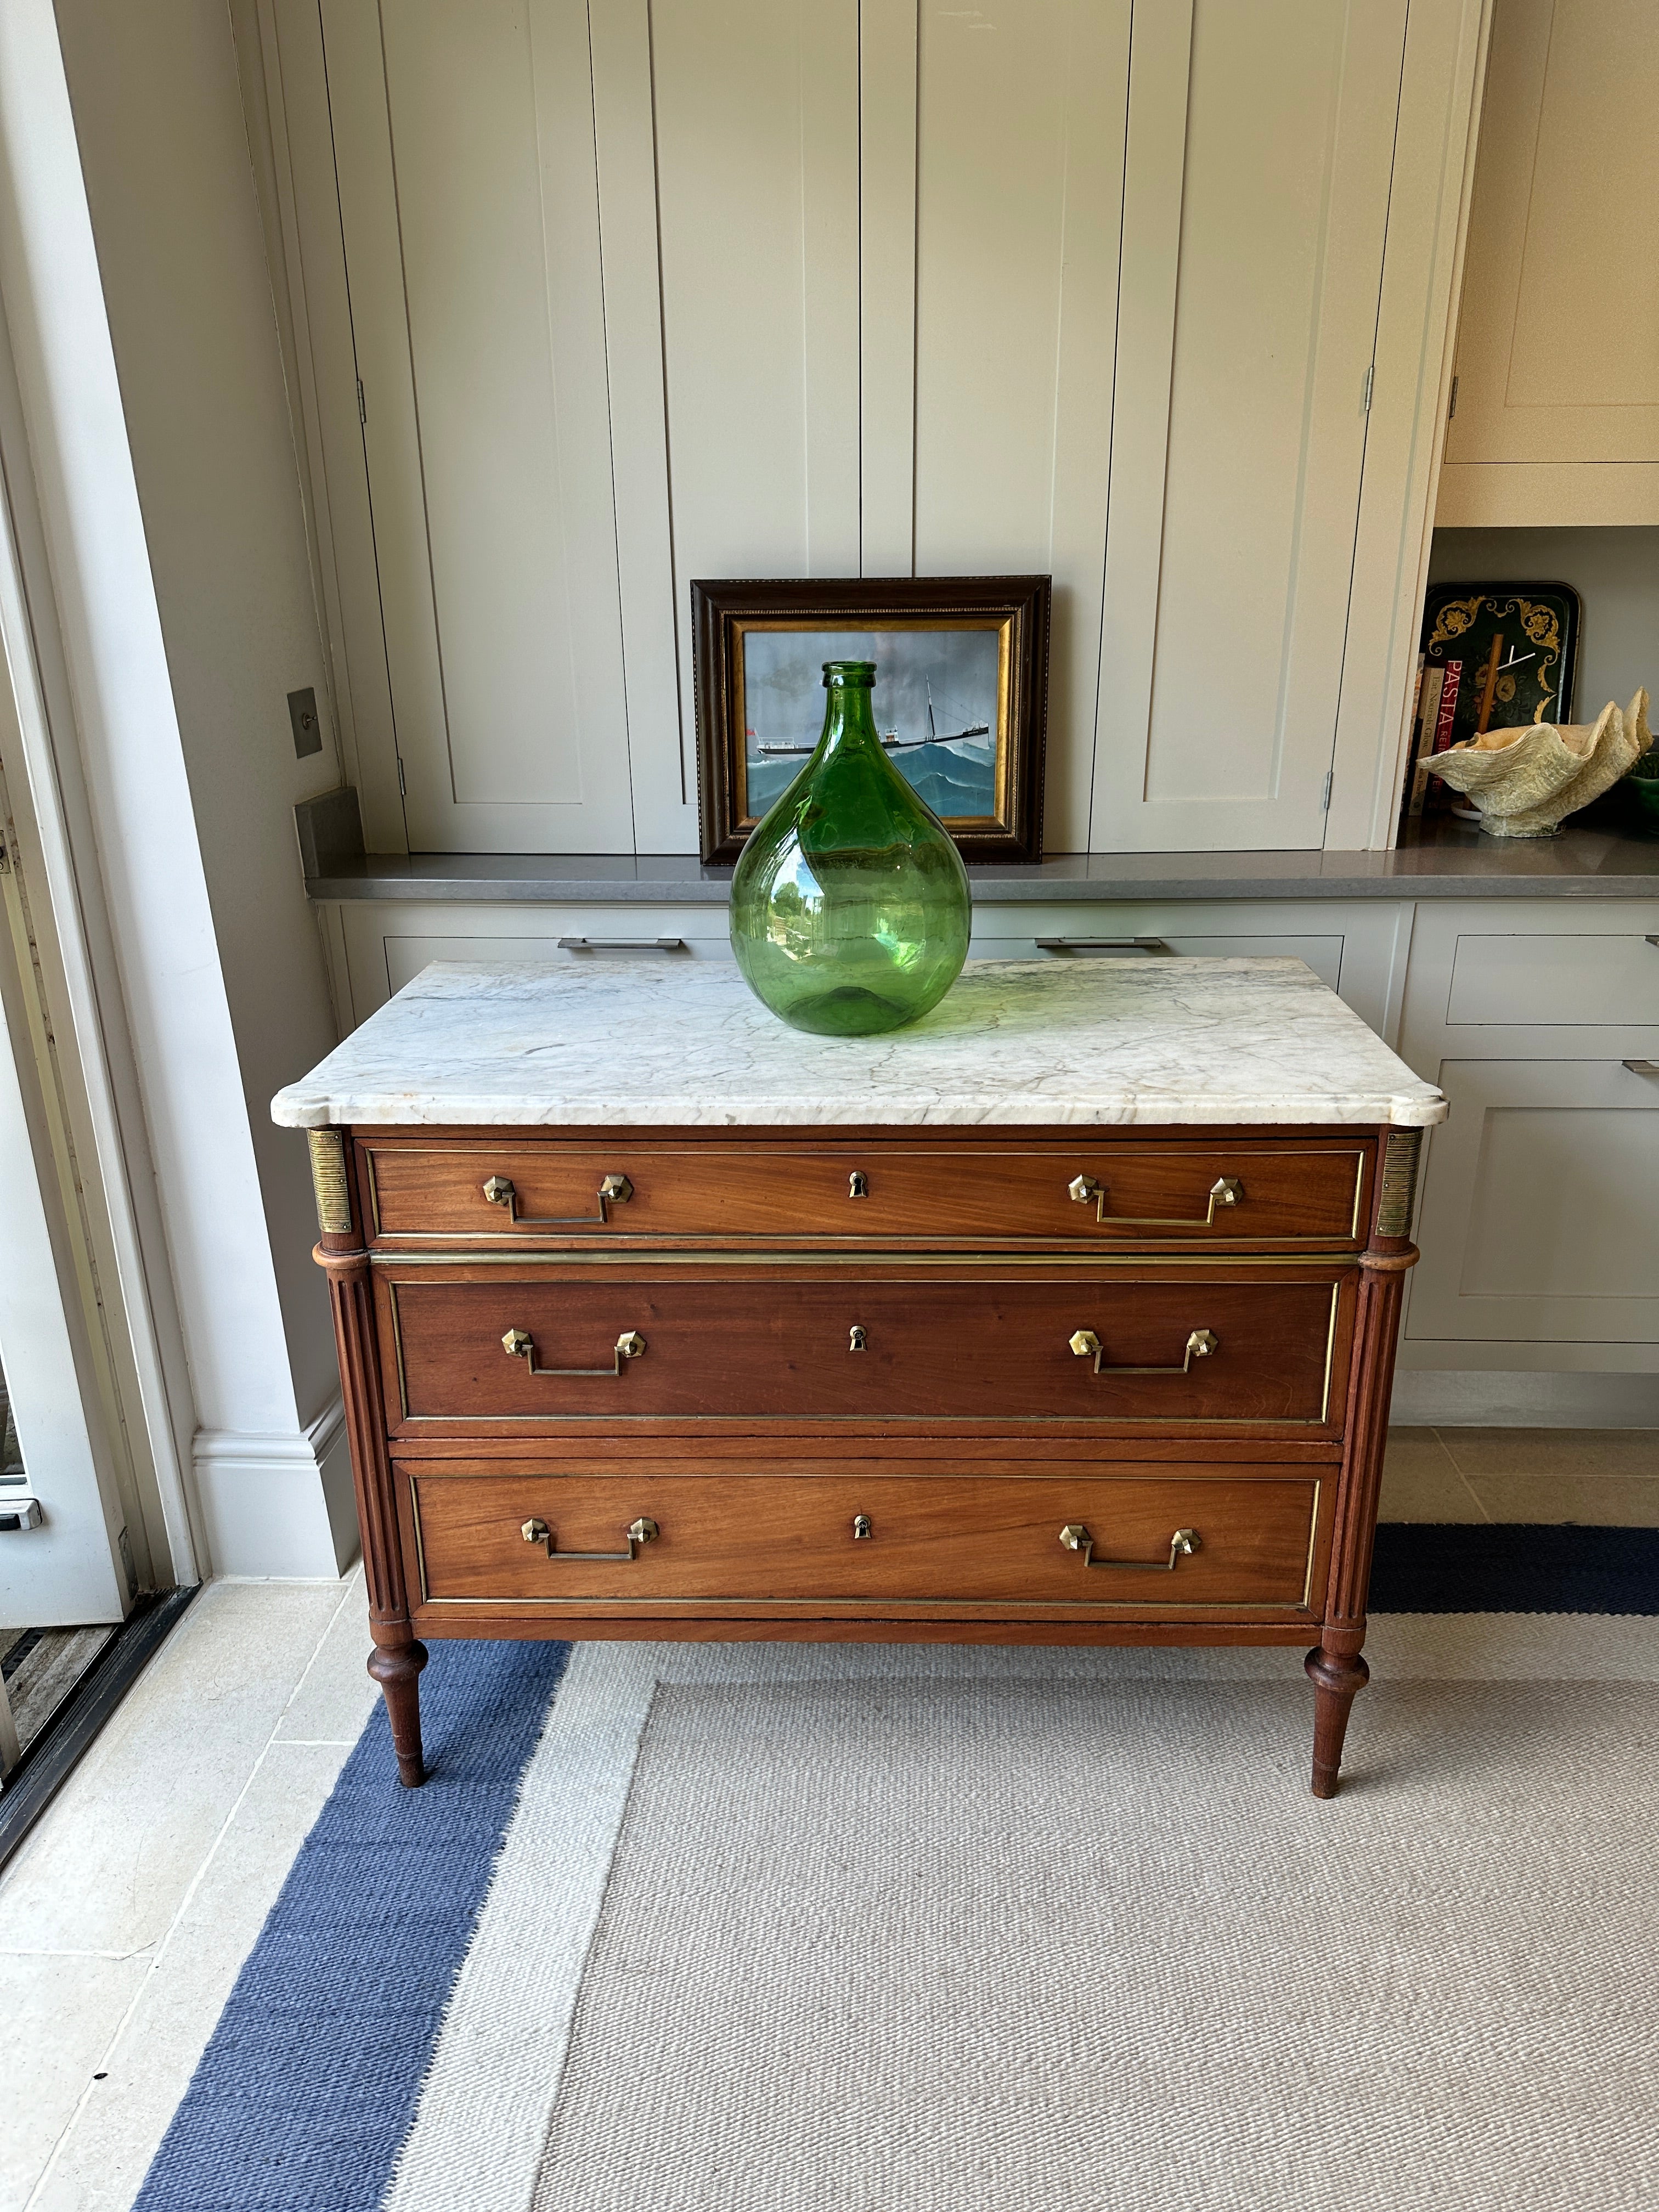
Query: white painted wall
{"points": [[1615, 572], [171, 505]]}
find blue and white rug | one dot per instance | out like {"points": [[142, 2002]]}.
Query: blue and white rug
{"points": [[787, 1927]]}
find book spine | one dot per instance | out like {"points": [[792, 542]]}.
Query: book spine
{"points": [[1427, 724], [1449, 690]]}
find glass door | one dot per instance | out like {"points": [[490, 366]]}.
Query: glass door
{"points": [[65, 1579]]}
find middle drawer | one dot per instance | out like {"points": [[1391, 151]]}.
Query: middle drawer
{"points": [[1081, 1345]]}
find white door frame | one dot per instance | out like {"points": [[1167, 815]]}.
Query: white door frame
{"points": [[89, 1102]]}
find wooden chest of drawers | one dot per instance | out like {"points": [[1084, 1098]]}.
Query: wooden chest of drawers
{"points": [[1035, 1385]]}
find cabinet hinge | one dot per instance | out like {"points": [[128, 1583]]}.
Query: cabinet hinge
{"points": [[362, 409], [1451, 404], [403, 789], [1370, 373], [1325, 795]]}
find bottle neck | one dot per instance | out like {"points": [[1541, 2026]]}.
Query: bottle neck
{"points": [[849, 721]]}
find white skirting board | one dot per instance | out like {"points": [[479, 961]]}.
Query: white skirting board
{"points": [[278, 1505], [1503, 1398]]}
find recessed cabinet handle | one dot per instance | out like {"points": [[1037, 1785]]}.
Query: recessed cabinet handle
{"points": [[614, 1190], [519, 1343], [1200, 1345], [642, 1532], [1087, 1189], [1182, 1545], [622, 945], [1154, 947]]}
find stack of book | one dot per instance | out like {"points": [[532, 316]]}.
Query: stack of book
{"points": [[1434, 711]]}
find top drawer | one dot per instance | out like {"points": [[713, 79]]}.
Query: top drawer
{"points": [[1237, 1195], [1562, 979]]}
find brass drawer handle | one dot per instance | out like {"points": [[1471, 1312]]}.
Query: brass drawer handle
{"points": [[614, 1190], [642, 1532], [519, 1343], [1182, 1545], [1085, 1189], [1200, 1345]]}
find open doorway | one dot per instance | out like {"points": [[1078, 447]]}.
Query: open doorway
{"points": [[75, 1618], [41, 1666]]}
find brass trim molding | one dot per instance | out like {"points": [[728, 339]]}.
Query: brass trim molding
{"points": [[1394, 1205], [866, 1256], [885, 1608], [328, 1180]]}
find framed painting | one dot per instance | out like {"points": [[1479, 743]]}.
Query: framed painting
{"points": [[960, 697]]}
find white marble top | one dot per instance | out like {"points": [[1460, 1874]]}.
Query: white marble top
{"points": [[1119, 1042]]}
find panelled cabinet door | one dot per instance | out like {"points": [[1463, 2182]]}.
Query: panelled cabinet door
{"points": [[1539, 1217], [463, 145], [1557, 414], [988, 396], [1255, 204], [728, 162]]}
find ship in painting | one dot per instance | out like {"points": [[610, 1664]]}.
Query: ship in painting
{"points": [[892, 741], [953, 769]]}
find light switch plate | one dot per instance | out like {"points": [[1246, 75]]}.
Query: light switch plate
{"points": [[307, 723]]}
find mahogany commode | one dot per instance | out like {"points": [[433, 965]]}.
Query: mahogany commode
{"points": [[1008, 1359]]}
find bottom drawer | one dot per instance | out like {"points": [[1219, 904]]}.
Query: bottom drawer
{"points": [[1153, 1539]]}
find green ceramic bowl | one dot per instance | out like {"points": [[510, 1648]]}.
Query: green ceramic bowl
{"points": [[1639, 786]]}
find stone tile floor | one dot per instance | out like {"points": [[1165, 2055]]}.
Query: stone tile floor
{"points": [[1599, 1477], [125, 1916]]}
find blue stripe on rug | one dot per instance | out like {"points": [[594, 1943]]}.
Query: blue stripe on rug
{"points": [[1514, 1567], [307, 2088]]}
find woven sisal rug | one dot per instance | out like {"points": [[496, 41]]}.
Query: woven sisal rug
{"points": [[791, 1928]]}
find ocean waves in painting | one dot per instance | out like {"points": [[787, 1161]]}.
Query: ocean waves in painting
{"points": [[954, 779]]}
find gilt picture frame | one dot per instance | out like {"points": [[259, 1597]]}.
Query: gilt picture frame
{"points": [[961, 696]]}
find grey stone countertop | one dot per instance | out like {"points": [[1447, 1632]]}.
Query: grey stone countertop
{"points": [[1448, 860]]}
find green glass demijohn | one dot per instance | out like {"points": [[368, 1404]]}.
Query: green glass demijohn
{"points": [[849, 902]]}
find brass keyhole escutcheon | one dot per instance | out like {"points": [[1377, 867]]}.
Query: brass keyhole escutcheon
{"points": [[861, 1528], [858, 1184], [855, 1338]]}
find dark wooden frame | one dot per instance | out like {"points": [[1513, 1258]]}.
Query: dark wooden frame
{"points": [[719, 609]]}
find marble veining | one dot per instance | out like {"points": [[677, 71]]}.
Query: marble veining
{"points": [[1116, 1043]]}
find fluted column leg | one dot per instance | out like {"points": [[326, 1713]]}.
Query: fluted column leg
{"points": [[1334, 1666], [398, 1657]]}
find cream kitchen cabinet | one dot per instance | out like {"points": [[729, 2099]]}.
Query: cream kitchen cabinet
{"points": [[1557, 400], [1358, 947], [586, 302], [1539, 1220]]}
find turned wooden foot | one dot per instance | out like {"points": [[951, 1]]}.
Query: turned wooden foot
{"points": [[397, 1668], [1337, 1677]]}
